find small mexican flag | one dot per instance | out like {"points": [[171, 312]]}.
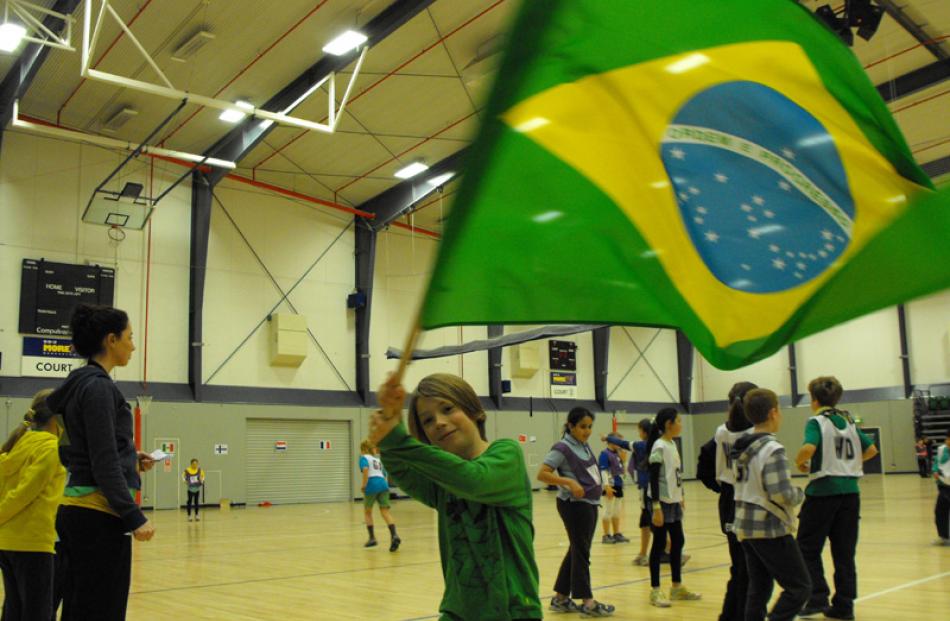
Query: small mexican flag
{"points": [[720, 166]]}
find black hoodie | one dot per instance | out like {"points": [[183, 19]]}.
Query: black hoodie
{"points": [[101, 450]]}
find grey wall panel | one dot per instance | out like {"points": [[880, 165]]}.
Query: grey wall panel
{"points": [[200, 425], [308, 470]]}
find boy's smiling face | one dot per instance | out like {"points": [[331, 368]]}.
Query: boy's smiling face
{"points": [[447, 426]]}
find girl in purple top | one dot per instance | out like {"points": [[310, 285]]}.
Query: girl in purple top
{"points": [[572, 466]]}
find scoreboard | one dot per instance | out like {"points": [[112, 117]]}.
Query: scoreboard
{"points": [[50, 291]]}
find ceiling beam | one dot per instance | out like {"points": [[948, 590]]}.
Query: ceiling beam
{"points": [[242, 139], [913, 28], [914, 81], [21, 74], [397, 200]]}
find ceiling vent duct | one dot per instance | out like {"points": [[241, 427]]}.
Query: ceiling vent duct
{"points": [[191, 46], [117, 120]]}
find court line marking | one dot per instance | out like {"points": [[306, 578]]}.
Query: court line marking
{"points": [[901, 587]]}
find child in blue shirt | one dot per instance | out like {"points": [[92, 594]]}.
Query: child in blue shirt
{"points": [[610, 463], [376, 490]]}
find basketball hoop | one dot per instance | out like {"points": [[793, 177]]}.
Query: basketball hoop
{"points": [[117, 234], [143, 402]]}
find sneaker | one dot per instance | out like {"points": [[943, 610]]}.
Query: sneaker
{"points": [[189, 518], [658, 599], [940, 541], [371, 543], [831, 613], [597, 610], [681, 593], [683, 559], [564, 605], [619, 538], [394, 544], [197, 519], [642, 560], [606, 539], [812, 611]]}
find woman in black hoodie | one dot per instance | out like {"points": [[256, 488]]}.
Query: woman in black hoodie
{"points": [[98, 510]]}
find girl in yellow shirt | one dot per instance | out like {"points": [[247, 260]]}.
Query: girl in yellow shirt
{"points": [[31, 486]]}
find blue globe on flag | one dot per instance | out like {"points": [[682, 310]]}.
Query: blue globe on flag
{"points": [[760, 186]]}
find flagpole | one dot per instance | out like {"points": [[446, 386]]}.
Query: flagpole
{"points": [[407, 350]]}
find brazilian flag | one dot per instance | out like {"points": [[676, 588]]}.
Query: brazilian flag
{"points": [[724, 167]]}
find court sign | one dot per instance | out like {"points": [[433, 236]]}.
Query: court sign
{"points": [[563, 385], [48, 357]]}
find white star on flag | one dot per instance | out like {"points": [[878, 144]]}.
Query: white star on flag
{"points": [[702, 210], [745, 208], [768, 213], [684, 196], [828, 235], [758, 200], [798, 276], [754, 233], [830, 247], [698, 220], [801, 266], [822, 254], [785, 185], [677, 153], [745, 266], [694, 191], [774, 247], [712, 236], [788, 153], [752, 219], [721, 178], [778, 264]]}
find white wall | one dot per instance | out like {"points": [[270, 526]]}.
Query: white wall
{"points": [[45, 185], [862, 353], [928, 328], [289, 237], [658, 347], [403, 264], [712, 384]]}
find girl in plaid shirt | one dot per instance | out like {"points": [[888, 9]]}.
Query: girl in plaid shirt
{"points": [[765, 519]]}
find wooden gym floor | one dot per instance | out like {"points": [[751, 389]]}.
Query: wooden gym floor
{"points": [[307, 562]]}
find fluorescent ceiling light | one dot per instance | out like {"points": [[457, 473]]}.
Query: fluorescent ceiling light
{"points": [[440, 179], [233, 116], [411, 170], [688, 63], [11, 35], [349, 40]]}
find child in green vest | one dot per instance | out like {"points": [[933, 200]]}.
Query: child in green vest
{"points": [[833, 454]]}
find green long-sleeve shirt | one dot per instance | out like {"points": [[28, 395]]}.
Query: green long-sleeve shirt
{"points": [[486, 537]]}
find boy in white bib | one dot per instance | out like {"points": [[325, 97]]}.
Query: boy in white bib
{"points": [[833, 453], [765, 513]]}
